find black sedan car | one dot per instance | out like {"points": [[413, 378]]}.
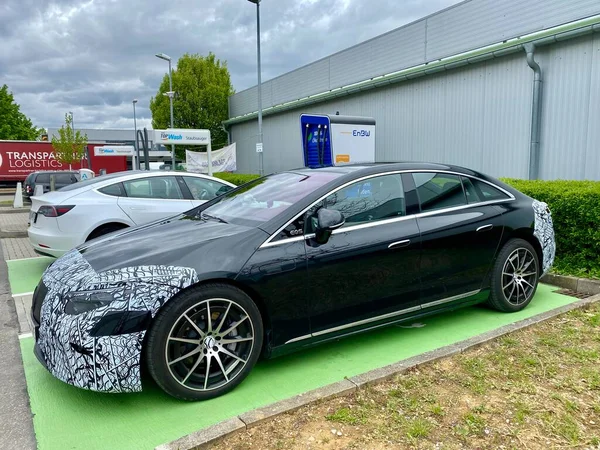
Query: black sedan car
{"points": [[282, 263]]}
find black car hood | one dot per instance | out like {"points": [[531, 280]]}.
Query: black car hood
{"points": [[208, 246]]}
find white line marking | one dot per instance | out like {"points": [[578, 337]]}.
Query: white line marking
{"points": [[23, 295], [23, 259], [25, 335]]}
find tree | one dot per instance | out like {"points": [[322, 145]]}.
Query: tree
{"points": [[202, 87], [14, 125], [69, 146]]}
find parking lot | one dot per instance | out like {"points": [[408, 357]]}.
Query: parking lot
{"points": [[150, 418]]}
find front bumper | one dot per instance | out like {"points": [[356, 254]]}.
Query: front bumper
{"points": [[544, 232], [99, 349]]}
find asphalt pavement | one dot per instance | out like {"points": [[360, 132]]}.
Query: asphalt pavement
{"points": [[16, 421]]}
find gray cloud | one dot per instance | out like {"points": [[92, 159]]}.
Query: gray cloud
{"points": [[93, 57]]}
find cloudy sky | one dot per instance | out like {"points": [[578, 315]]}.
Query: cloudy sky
{"points": [[93, 57]]}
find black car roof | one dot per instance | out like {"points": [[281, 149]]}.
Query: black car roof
{"points": [[370, 168]]}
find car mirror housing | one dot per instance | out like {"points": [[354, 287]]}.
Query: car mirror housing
{"points": [[327, 221]]}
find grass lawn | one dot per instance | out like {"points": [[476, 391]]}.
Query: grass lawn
{"points": [[536, 388]]}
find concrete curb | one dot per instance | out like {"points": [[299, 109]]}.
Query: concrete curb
{"points": [[580, 285], [12, 234], [14, 210], [203, 439]]}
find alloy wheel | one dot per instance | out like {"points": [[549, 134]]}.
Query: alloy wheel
{"points": [[519, 276], [209, 344]]}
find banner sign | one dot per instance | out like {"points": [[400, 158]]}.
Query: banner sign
{"points": [[182, 136], [116, 150], [223, 160]]}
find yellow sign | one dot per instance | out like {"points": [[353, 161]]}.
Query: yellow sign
{"points": [[342, 158]]}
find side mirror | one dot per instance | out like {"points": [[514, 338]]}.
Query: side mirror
{"points": [[327, 221]]}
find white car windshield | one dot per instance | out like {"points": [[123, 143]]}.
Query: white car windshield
{"points": [[265, 198]]}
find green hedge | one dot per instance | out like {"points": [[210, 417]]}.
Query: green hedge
{"points": [[236, 178], [575, 208]]}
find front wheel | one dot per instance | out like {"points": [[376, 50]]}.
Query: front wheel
{"points": [[515, 276], [204, 342]]}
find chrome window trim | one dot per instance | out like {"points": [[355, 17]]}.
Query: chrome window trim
{"points": [[268, 242], [385, 316]]}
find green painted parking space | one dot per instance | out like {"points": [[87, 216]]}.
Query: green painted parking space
{"points": [[25, 274], [67, 417]]}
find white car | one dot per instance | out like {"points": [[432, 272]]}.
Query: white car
{"points": [[64, 219]]}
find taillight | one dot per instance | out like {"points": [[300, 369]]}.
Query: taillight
{"points": [[28, 189], [54, 211]]}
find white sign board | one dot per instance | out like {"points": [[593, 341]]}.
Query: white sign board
{"points": [[352, 143], [114, 150], [182, 136], [223, 160], [85, 174], [259, 147]]}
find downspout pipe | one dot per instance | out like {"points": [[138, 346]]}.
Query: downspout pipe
{"points": [[536, 112]]}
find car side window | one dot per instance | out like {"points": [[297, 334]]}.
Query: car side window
{"points": [[479, 191], [439, 190], [115, 190], [153, 187], [205, 189], [42, 178], [63, 178], [370, 200]]}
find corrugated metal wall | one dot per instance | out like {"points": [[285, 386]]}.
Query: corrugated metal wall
{"points": [[477, 116], [570, 141], [466, 26]]}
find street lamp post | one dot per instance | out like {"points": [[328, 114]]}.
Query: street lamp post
{"points": [[170, 95], [137, 150], [259, 146]]}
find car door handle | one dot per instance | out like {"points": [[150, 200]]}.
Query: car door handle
{"points": [[137, 208], [399, 244], [487, 227]]}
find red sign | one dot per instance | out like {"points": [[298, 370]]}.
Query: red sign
{"points": [[18, 159]]}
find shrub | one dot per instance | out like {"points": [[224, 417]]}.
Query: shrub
{"points": [[236, 178], [575, 208]]}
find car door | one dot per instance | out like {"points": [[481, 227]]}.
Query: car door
{"points": [[153, 198], [459, 237], [368, 269], [204, 189]]}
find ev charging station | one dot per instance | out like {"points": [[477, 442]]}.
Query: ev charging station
{"points": [[333, 140]]}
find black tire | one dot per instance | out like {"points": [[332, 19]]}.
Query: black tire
{"points": [[105, 229], [185, 378], [502, 295]]}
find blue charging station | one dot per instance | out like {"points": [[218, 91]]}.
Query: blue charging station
{"points": [[329, 140]]}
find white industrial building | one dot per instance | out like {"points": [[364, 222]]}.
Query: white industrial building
{"points": [[507, 87]]}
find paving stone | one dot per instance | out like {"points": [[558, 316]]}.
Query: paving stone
{"points": [[17, 248], [205, 438], [14, 222], [23, 307]]}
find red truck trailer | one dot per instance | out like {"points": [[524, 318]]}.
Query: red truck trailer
{"points": [[19, 158]]}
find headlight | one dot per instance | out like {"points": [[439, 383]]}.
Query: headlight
{"points": [[84, 301]]}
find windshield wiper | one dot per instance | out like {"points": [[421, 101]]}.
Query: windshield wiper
{"points": [[209, 216]]}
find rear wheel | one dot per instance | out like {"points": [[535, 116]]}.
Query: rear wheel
{"points": [[204, 342], [515, 276], [105, 229]]}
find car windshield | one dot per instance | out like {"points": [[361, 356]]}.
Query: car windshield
{"points": [[263, 199]]}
